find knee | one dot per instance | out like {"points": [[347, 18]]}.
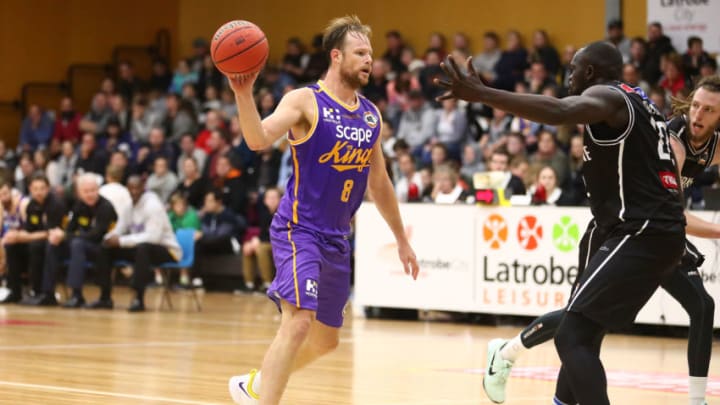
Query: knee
{"points": [[325, 344], [297, 329], [563, 341]]}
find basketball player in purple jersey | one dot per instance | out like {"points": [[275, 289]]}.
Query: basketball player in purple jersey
{"points": [[333, 132]]}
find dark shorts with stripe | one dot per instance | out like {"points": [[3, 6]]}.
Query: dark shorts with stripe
{"points": [[313, 270], [622, 267]]}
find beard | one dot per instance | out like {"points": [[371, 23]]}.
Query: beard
{"points": [[353, 79]]}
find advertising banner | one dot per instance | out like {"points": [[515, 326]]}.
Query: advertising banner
{"points": [[682, 19]]}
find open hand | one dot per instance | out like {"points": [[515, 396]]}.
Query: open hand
{"points": [[465, 85], [408, 259], [242, 83]]}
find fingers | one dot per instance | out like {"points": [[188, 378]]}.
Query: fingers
{"points": [[450, 68], [415, 267], [454, 67], [443, 83], [470, 67], [445, 96], [406, 266]]}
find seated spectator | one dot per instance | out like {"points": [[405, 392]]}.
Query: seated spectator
{"points": [[520, 168], [494, 129], [230, 183], [97, 117], [120, 160], [544, 52], [128, 84], [258, 250], [427, 75], [182, 216], [114, 191], [115, 139], [451, 128], [145, 238], [213, 122], [461, 43], [91, 218], [162, 181], [472, 161], [7, 157], [376, 89], [438, 155], [576, 185], [659, 97], [658, 45], [708, 68], [182, 75], [266, 103], [565, 69], [193, 187], [631, 76], [548, 154], [60, 171], [694, 57], [220, 144], [107, 87], [220, 230], [161, 77], [212, 101], [40, 161], [539, 78], [209, 76], [515, 145], [267, 169], [91, 158], [673, 79], [616, 36], [446, 189], [500, 162], [36, 129], [157, 147], [426, 178], [143, 120], [23, 171], [294, 60], [25, 248], [437, 43], [513, 61], [398, 92], [409, 59], [119, 112], [417, 124], [179, 118], [189, 96], [546, 189], [317, 62], [67, 122], [189, 150], [408, 186], [393, 53], [484, 62]]}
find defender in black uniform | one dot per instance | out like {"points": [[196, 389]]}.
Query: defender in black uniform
{"points": [[635, 198], [26, 247]]}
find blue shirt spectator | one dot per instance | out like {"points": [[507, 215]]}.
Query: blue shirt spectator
{"points": [[36, 129]]}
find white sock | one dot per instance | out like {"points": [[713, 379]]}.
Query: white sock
{"points": [[697, 387], [256, 383], [513, 349]]}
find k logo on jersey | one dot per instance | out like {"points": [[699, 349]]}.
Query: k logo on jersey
{"points": [[311, 288], [330, 114]]}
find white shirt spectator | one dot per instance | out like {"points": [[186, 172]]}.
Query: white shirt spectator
{"points": [[119, 197]]}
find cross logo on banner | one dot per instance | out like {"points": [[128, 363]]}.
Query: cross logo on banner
{"points": [[495, 231], [529, 232]]}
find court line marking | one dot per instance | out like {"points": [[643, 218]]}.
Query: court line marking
{"points": [[103, 393], [143, 344]]}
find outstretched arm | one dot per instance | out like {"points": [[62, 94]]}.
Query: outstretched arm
{"points": [[596, 104], [259, 134], [382, 192]]}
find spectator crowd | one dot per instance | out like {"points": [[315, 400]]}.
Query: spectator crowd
{"points": [[115, 180]]}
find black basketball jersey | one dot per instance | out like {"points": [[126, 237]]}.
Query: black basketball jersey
{"points": [[39, 217], [631, 175], [696, 159]]}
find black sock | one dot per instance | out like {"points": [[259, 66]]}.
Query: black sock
{"points": [[105, 294], [140, 296]]}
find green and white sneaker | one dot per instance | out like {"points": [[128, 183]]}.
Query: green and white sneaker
{"points": [[497, 372]]}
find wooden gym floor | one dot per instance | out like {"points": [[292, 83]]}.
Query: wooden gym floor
{"points": [[56, 356]]}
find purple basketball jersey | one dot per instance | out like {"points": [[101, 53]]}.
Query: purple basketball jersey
{"points": [[331, 164]]}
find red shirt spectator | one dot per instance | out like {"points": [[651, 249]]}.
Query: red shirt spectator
{"points": [[212, 122], [67, 123]]}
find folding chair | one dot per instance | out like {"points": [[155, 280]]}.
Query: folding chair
{"points": [[186, 239]]}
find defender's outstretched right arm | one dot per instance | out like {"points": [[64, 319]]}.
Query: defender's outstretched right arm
{"points": [[259, 134]]}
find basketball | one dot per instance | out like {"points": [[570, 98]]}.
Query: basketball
{"points": [[239, 47]]}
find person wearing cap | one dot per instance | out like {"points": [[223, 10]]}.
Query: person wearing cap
{"points": [[616, 36]]}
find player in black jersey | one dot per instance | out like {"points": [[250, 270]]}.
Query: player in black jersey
{"points": [[694, 140], [638, 230]]}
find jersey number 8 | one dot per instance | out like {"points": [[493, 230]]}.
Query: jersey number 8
{"points": [[347, 188]]}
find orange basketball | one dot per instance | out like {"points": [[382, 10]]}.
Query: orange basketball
{"points": [[239, 47]]}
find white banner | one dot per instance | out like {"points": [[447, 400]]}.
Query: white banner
{"points": [[682, 19], [514, 261]]}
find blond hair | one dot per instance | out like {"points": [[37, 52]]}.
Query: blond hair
{"points": [[338, 28], [681, 105]]}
